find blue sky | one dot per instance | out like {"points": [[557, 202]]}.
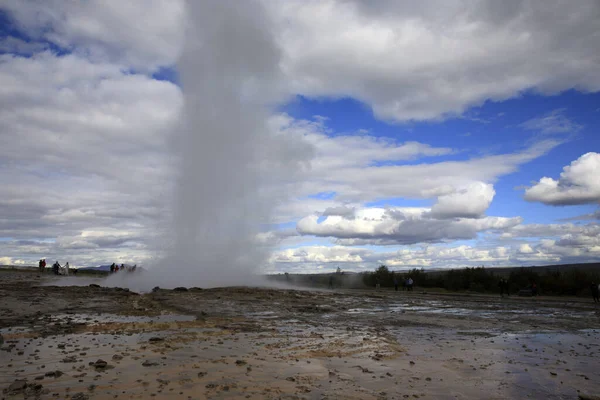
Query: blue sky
{"points": [[492, 128], [399, 135]]}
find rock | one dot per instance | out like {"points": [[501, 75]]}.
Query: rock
{"points": [[291, 379], [240, 362], [149, 363], [117, 357], [583, 396], [180, 289], [156, 339], [70, 359], [94, 285], [16, 387], [60, 346], [201, 374], [80, 396], [100, 364], [55, 374], [39, 378]]}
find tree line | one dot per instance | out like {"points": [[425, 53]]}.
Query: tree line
{"points": [[572, 281]]}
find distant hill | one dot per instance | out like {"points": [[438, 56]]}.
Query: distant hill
{"points": [[104, 268]]}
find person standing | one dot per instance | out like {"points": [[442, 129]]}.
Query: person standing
{"points": [[395, 283], [595, 292], [502, 286], [55, 267]]}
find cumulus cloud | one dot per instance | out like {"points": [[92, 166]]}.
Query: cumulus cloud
{"points": [[577, 184], [535, 252], [140, 34], [82, 149], [401, 226], [469, 202], [361, 168], [424, 61]]}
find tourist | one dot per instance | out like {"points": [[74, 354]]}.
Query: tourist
{"points": [[331, 282], [56, 267], [40, 267], [502, 286], [377, 284], [534, 289], [395, 283], [67, 269], [595, 291], [409, 284], [112, 268]]}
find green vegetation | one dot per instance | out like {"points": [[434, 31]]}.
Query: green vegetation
{"points": [[555, 280]]}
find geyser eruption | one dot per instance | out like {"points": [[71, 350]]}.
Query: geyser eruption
{"points": [[230, 77]]}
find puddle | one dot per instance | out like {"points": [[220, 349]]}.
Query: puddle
{"points": [[95, 319]]}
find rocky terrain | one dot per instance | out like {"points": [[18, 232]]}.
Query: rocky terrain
{"points": [[95, 342]]}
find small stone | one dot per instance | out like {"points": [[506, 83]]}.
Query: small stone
{"points": [[17, 386], [156, 339], [100, 364], [149, 363], [240, 362], [80, 396]]}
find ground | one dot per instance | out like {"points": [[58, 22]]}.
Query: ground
{"points": [[93, 342]]}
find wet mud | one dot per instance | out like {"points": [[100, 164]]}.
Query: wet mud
{"points": [[83, 342]]}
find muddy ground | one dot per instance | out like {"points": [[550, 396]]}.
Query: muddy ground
{"points": [[92, 342]]}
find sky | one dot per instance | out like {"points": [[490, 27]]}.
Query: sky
{"points": [[437, 134]]}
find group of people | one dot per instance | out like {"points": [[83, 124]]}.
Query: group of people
{"points": [[116, 268], [57, 269], [407, 284]]}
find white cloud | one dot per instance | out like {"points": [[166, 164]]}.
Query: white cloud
{"points": [[141, 34], [419, 61], [469, 202], [362, 169], [82, 148], [401, 226], [578, 184], [553, 122]]}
